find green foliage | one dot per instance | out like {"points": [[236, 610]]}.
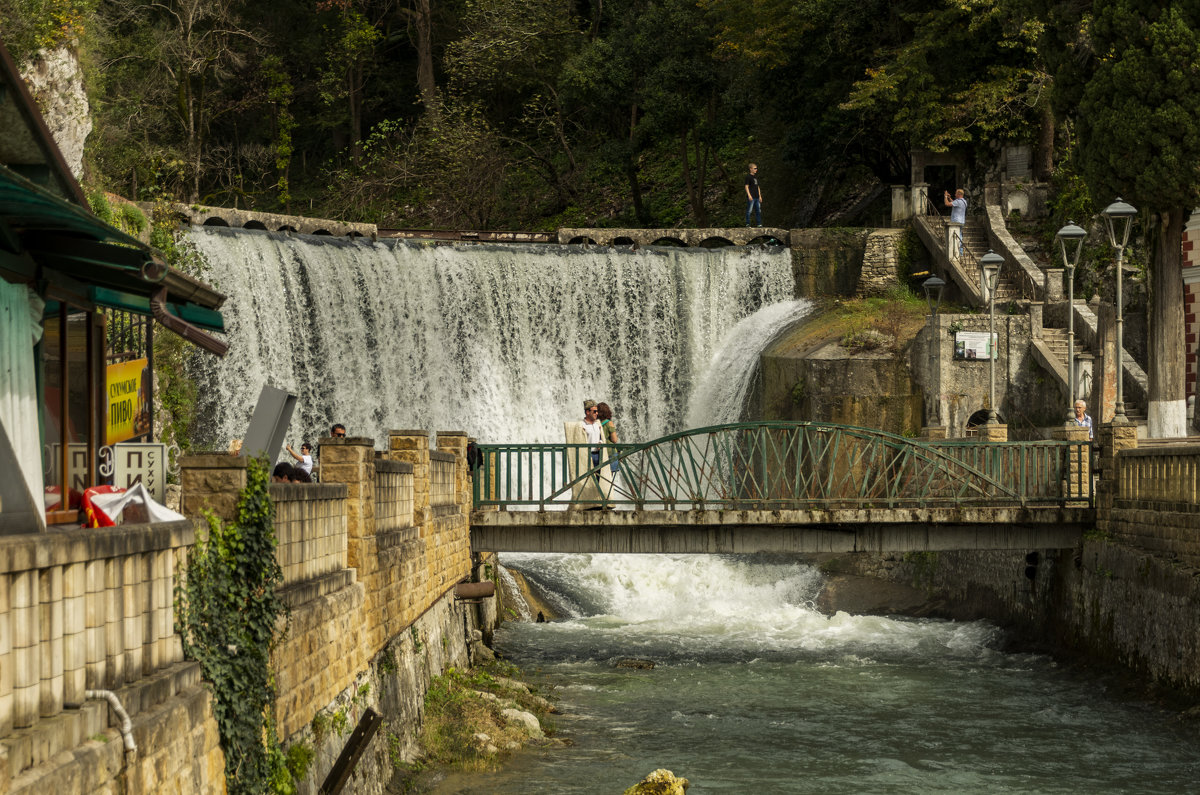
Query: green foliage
{"points": [[416, 638], [27, 26], [228, 613], [1137, 132]]}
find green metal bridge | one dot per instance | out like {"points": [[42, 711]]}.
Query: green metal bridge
{"points": [[781, 486]]}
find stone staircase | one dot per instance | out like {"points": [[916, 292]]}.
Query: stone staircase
{"points": [[1055, 342], [975, 246]]}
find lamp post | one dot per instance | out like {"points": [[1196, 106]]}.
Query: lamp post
{"points": [[1118, 219], [933, 287], [1070, 242], [991, 263]]}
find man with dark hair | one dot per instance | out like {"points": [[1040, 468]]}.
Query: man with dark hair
{"points": [[338, 431], [282, 473]]}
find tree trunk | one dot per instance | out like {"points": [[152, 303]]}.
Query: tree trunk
{"points": [[635, 190], [1043, 163], [1167, 412], [424, 25]]}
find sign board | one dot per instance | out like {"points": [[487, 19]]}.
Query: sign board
{"points": [[974, 345], [127, 389], [141, 463]]}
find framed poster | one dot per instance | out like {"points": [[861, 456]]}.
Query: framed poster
{"points": [[974, 345]]}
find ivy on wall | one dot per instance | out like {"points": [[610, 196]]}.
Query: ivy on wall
{"points": [[228, 613]]}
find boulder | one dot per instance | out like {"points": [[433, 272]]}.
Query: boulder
{"points": [[527, 720], [660, 782]]}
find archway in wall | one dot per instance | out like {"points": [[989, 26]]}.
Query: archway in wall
{"points": [[669, 241], [579, 241], [215, 221], [623, 241], [254, 225], [715, 242], [323, 232], [980, 418], [286, 228]]}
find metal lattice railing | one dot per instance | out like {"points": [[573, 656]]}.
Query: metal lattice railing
{"points": [[777, 465]]}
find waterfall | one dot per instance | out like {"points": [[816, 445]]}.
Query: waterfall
{"points": [[502, 341]]}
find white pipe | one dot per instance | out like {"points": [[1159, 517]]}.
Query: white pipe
{"points": [[126, 724]]}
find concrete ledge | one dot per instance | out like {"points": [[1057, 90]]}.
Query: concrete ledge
{"points": [[59, 547], [736, 236], [298, 593], [393, 467], [806, 531]]}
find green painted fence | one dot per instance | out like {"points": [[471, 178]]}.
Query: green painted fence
{"points": [[784, 465]]}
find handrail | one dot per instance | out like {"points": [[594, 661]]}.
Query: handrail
{"points": [[775, 465]]}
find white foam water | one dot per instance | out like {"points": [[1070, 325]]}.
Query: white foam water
{"points": [[504, 342]]}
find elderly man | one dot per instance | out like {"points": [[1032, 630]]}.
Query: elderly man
{"points": [[1083, 418]]}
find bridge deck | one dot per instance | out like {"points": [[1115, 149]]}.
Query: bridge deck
{"points": [[796, 531]]}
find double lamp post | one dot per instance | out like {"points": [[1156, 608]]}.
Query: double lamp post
{"points": [[1118, 220]]}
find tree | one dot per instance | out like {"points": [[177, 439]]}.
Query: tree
{"points": [[1138, 138]]}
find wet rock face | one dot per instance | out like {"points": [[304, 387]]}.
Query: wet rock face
{"points": [[56, 82]]}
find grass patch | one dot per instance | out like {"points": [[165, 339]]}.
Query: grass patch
{"points": [[455, 713]]}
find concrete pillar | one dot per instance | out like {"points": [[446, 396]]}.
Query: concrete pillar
{"points": [[933, 433], [920, 198], [1079, 467], [902, 210], [6, 660], [95, 620], [1105, 396], [1085, 375], [351, 460], [74, 631], [26, 634], [212, 481], [1113, 438], [992, 433], [412, 446], [50, 592], [1055, 290], [1036, 321], [456, 442]]}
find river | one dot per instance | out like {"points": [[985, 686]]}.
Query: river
{"points": [[754, 691]]}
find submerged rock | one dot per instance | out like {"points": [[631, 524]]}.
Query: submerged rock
{"points": [[633, 662], [660, 782]]}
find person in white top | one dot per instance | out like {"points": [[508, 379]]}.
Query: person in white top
{"points": [[304, 457], [581, 458]]}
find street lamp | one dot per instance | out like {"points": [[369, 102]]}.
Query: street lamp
{"points": [[1070, 242], [1118, 218], [933, 287], [991, 263]]}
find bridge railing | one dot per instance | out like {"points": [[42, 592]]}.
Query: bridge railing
{"points": [[780, 465]]}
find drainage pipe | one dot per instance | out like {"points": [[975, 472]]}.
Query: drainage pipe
{"points": [[126, 724]]}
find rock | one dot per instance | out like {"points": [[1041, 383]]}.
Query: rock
{"points": [[512, 684], [56, 82], [660, 782], [633, 662], [528, 720]]}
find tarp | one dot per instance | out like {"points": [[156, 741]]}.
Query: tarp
{"points": [[114, 504], [20, 329]]}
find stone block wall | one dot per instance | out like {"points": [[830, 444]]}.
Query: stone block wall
{"points": [[442, 478], [84, 610], [880, 267], [393, 495], [310, 529]]}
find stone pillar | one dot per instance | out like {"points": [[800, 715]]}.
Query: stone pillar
{"points": [[74, 631], [26, 633], [1036, 322], [50, 605], [351, 460], [212, 481], [1105, 385], [933, 433], [1113, 438], [920, 196], [1085, 376], [1054, 290], [412, 446], [456, 442], [902, 210], [992, 433], [1079, 467]]}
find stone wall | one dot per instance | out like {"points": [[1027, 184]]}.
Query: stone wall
{"points": [[881, 262], [1129, 595], [370, 564], [828, 261], [92, 610]]}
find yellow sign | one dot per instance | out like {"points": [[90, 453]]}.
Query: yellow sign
{"points": [[128, 400]]}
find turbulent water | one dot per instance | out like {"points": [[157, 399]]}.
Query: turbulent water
{"points": [[756, 692], [504, 342]]}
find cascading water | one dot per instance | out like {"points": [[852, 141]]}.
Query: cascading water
{"points": [[720, 396], [504, 342]]}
